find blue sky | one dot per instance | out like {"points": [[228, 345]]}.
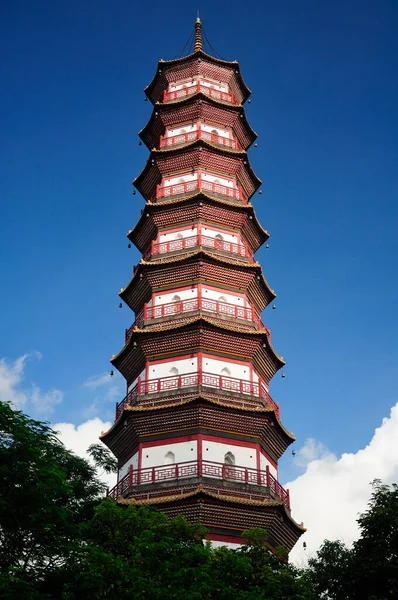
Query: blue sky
{"points": [[324, 104]]}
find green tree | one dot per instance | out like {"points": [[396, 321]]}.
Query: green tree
{"points": [[137, 552], [368, 570], [376, 551], [59, 539], [47, 498]]}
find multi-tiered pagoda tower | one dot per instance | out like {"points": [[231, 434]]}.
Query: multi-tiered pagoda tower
{"points": [[198, 432]]}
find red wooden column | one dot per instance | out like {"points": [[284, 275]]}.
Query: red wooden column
{"points": [[258, 463], [130, 475], [199, 180], [139, 465], [200, 454], [200, 368], [199, 287], [268, 476]]}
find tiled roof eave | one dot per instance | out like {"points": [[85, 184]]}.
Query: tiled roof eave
{"points": [[201, 54]]}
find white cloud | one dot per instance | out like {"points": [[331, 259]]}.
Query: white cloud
{"points": [[45, 402], [11, 376], [332, 492], [78, 439], [97, 380], [312, 450], [12, 389], [113, 393]]}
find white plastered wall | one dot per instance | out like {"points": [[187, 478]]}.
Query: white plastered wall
{"points": [[216, 451], [229, 298], [131, 385], [156, 455], [226, 236], [189, 127], [217, 179], [263, 464], [211, 294], [183, 294], [178, 85], [166, 369], [175, 235], [125, 468], [187, 177], [222, 131], [214, 366], [217, 544]]}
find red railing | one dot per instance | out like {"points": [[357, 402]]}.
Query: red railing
{"points": [[171, 309], [214, 306], [175, 383], [197, 184], [195, 241], [197, 87], [204, 468], [199, 134]]}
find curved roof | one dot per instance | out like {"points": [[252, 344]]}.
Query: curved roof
{"points": [[186, 210], [108, 436], [193, 64], [197, 106], [194, 155], [268, 293]]}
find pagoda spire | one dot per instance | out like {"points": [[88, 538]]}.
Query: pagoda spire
{"points": [[198, 35]]}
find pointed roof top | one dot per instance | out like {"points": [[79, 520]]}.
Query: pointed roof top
{"points": [[198, 35]]}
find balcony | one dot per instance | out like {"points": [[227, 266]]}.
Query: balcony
{"points": [[199, 134], [239, 478], [196, 88], [249, 393], [195, 241], [219, 309], [215, 189]]}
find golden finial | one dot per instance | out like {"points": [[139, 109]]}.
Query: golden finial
{"points": [[198, 35]]}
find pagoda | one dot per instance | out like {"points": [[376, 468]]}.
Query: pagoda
{"points": [[198, 433]]}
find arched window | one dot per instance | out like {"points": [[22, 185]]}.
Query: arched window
{"points": [[181, 180], [214, 131], [216, 181], [183, 131], [179, 236], [176, 307], [229, 459], [222, 299], [173, 371], [169, 458], [219, 236], [225, 371]]}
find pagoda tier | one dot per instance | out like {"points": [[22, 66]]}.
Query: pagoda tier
{"points": [[180, 212], [197, 67], [165, 169], [204, 415], [196, 267], [227, 515], [217, 337], [190, 110], [198, 432]]}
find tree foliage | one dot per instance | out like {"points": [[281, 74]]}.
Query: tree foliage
{"points": [[60, 540], [48, 496], [368, 570], [160, 559]]}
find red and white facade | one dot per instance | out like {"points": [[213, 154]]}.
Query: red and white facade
{"points": [[198, 432]]}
